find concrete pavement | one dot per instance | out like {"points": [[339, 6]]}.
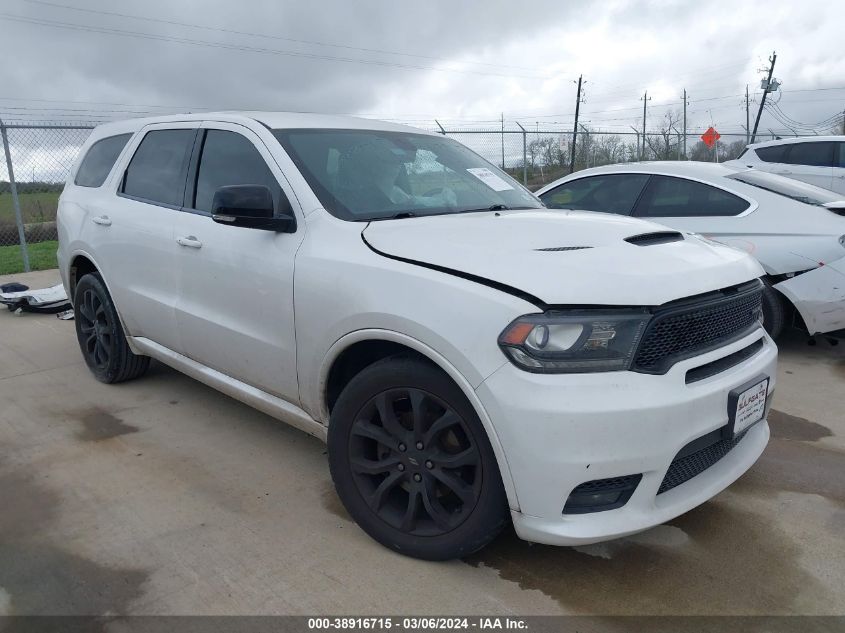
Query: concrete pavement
{"points": [[162, 496]]}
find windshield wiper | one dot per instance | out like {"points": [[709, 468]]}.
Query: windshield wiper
{"points": [[492, 207], [401, 215]]}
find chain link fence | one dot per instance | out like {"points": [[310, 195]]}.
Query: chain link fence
{"points": [[538, 156], [37, 159]]}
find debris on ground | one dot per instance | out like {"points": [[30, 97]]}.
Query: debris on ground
{"points": [[19, 298]]}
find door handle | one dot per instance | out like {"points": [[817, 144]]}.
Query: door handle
{"points": [[102, 220], [190, 241]]}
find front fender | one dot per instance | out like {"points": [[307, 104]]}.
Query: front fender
{"points": [[438, 359]]}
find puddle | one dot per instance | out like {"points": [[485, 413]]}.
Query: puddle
{"points": [[798, 467], [5, 603], [99, 425], [710, 553], [791, 427], [39, 577]]}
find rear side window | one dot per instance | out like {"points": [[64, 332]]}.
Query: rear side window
{"points": [[773, 154], [158, 169], [231, 159], [841, 149], [818, 154], [666, 197], [99, 160], [612, 193]]}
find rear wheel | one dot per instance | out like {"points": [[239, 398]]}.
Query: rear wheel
{"points": [[100, 335], [412, 463], [774, 310]]}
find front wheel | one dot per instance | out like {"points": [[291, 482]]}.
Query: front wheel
{"points": [[774, 310], [412, 463], [100, 335]]}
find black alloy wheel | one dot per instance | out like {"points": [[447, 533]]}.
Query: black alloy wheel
{"points": [[100, 334], [412, 462], [415, 462]]}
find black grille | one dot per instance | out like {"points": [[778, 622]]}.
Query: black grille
{"points": [[723, 364], [685, 468], [695, 327]]}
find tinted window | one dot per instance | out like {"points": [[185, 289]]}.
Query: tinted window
{"points": [[841, 161], [677, 197], [157, 170], [773, 154], [813, 154], [613, 193], [99, 160], [365, 175], [795, 189], [230, 159]]}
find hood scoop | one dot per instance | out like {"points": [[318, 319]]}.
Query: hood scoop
{"points": [[652, 239], [562, 248]]}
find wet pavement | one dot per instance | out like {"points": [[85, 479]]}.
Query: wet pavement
{"points": [[162, 496]]}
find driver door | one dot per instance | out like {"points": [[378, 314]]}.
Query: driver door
{"points": [[234, 312]]}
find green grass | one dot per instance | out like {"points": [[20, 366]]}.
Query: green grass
{"points": [[42, 256], [35, 207]]}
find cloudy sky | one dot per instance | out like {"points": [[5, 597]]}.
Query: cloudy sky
{"points": [[464, 63]]}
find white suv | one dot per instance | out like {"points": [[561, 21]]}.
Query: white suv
{"points": [[819, 160], [469, 356]]}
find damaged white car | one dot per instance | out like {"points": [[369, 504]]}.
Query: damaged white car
{"points": [[471, 358], [794, 229]]}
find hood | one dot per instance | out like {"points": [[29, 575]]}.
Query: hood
{"points": [[566, 257]]}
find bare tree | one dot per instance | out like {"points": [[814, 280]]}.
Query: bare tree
{"points": [[663, 145]]}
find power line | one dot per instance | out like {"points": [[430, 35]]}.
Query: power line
{"points": [[261, 35], [244, 48]]}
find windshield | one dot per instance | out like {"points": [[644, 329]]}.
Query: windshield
{"points": [[795, 189], [365, 175]]}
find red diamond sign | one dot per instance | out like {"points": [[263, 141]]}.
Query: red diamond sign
{"points": [[710, 137]]}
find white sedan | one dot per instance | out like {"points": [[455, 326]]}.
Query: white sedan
{"points": [[795, 230]]}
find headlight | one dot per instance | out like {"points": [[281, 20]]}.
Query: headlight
{"points": [[574, 342]]}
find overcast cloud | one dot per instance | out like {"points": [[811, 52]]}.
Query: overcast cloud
{"points": [[459, 62]]}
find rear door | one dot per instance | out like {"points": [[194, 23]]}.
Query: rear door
{"points": [[235, 307], [811, 162], [134, 247], [691, 205]]}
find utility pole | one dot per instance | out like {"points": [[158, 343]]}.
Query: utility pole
{"points": [[646, 99], [575, 127], [747, 119], [843, 121], [772, 61], [685, 123]]}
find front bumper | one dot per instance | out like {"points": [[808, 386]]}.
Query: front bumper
{"points": [[558, 431], [819, 296]]}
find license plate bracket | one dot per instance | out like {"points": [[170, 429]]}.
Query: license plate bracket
{"points": [[747, 405]]}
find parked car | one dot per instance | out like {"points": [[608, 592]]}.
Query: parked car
{"points": [[470, 357], [795, 230], [819, 160]]}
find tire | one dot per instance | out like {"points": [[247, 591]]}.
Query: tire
{"points": [[425, 483], [774, 310], [100, 334]]}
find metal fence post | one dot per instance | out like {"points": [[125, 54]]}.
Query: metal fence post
{"points": [[524, 155], [16, 203]]}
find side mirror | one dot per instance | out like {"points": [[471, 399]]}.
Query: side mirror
{"points": [[250, 206]]}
